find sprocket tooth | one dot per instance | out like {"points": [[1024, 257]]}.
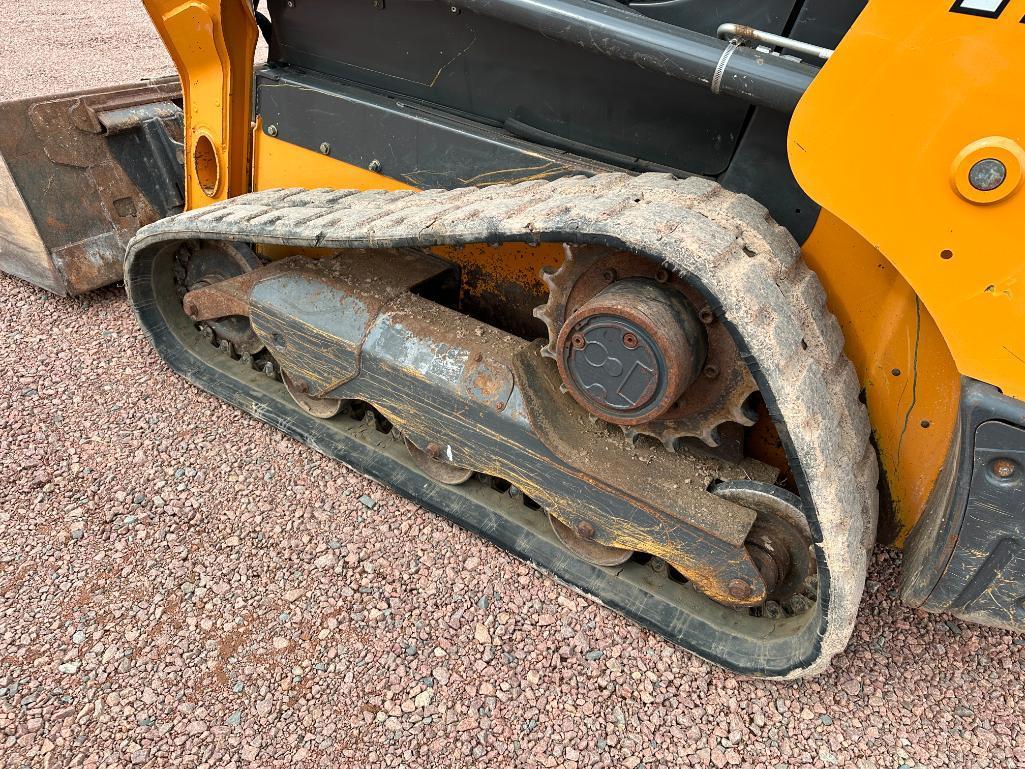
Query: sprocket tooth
{"points": [[711, 437], [541, 313], [742, 417]]}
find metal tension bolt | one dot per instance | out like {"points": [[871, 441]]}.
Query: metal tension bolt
{"points": [[585, 530]]}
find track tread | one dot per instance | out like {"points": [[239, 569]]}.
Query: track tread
{"points": [[726, 241]]}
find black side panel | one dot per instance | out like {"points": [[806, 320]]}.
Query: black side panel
{"points": [[416, 145], [541, 91], [825, 22], [966, 555], [498, 72], [761, 169]]}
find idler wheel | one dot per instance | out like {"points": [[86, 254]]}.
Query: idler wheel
{"points": [[211, 263], [630, 352], [780, 541]]}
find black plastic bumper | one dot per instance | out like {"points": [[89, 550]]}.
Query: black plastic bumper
{"points": [[966, 555]]}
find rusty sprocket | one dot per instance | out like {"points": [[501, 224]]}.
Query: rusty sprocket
{"points": [[719, 396]]}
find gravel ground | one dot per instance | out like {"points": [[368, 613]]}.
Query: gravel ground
{"points": [[182, 586]]}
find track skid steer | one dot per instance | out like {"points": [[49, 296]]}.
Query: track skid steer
{"points": [[687, 310]]}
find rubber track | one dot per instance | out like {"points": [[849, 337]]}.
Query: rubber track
{"points": [[748, 266]]}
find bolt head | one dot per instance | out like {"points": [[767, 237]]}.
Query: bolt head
{"points": [[662, 276], [630, 341], [375, 166], [711, 371], [433, 450], [585, 530], [609, 276], [272, 130], [987, 175], [325, 149], [1003, 468], [579, 342], [740, 589]]}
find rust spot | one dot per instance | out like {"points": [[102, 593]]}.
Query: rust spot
{"points": [[488, 383]]}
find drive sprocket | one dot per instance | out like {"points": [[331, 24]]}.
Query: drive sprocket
{"points": [[718, 396]]}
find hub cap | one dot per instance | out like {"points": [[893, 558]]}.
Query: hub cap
{"points": [[628, 354]]}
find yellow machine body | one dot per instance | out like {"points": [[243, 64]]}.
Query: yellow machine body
{"points": [[725, 295], [892, 161]]}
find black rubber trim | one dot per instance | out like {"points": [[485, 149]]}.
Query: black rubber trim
{"points": [[958, 7], [966, 555]]}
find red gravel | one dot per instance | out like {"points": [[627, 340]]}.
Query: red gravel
{"points": [[182, 586]]}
